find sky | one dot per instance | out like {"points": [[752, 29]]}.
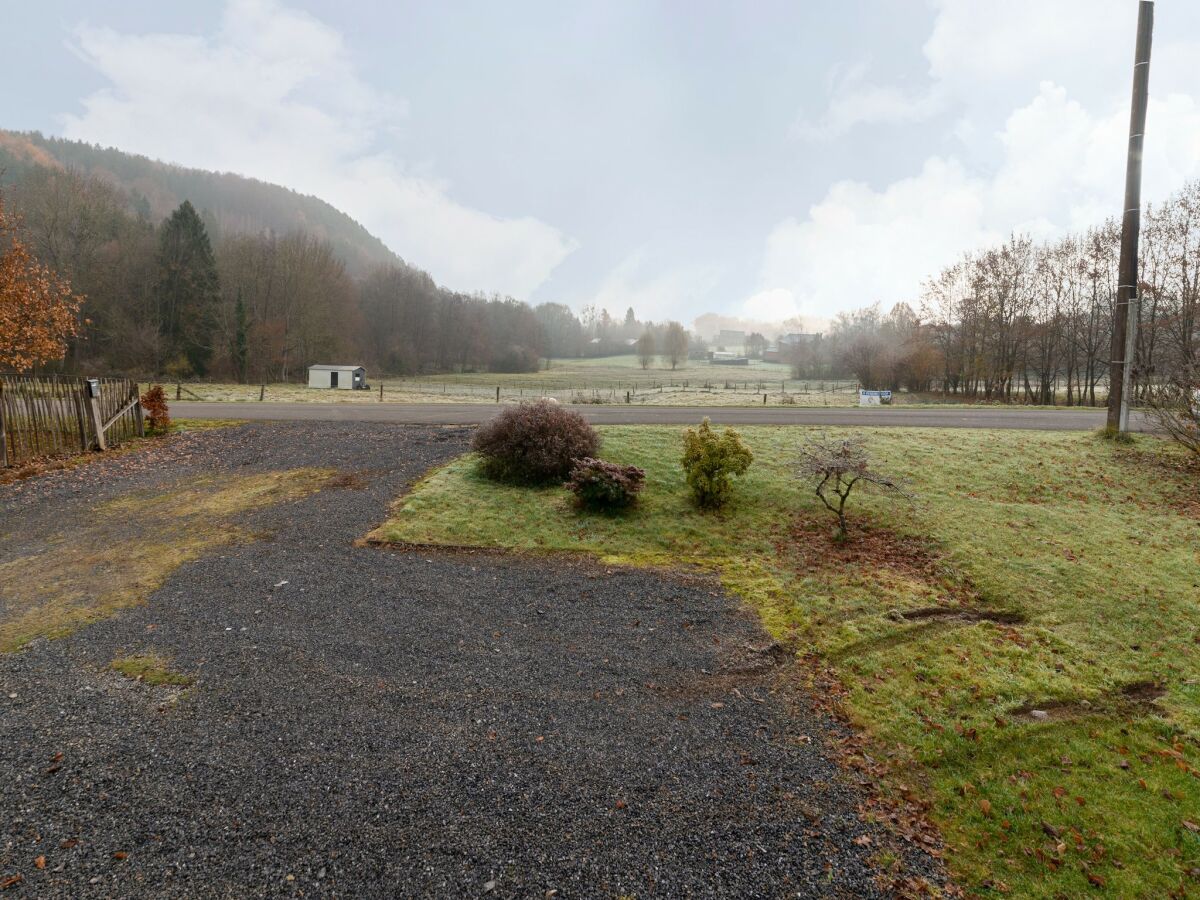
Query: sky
{"points": [[759, 159]]}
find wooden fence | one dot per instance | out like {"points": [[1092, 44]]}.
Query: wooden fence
{"points": [[54, 415]]}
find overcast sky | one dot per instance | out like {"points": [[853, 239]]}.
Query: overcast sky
{"points": [[756, 158]]}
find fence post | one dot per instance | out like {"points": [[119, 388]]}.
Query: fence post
{"points": [[381, 392], [137, 412], [3, 436], [178, 391], [497, 393], [92, 405], [262, 392]]}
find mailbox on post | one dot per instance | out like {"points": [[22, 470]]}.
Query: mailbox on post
{"points": [[93, 388]]}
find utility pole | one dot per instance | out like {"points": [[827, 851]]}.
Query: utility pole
{"points": [[1125, 317]]}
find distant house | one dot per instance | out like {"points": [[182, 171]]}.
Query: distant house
{"points": [[725, 358], [345, 378], [731, 340]]}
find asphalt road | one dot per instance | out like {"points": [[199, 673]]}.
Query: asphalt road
{"points": [[473, 414]]}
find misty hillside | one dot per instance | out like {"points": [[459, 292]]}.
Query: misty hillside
{"points": [[236, 204]]}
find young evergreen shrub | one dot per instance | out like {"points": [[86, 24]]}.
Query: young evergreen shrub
{"points": [[710, 462], [597, 484], [534, 443], [158, 416]]}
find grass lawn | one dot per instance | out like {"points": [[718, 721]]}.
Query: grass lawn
{"points": [[1052, 588]]}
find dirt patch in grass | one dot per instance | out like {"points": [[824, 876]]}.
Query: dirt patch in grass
{"points": [[62, 579], [1134, 699], [965, 613], [149, 668], [811, 543], [877, 552]]}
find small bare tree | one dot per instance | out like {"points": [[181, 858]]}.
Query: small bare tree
{"points": [[645, 348], [836, 467], [1175, 408]]}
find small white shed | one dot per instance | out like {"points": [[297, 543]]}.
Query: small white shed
{"points": [[346, 378]]}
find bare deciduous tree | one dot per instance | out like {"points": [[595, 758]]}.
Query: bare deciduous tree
{"points": [[1175, 407], [836, 467], [675, 344], [645, 349]]}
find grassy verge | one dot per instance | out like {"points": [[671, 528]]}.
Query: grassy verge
{"points": [[1003, 642]]}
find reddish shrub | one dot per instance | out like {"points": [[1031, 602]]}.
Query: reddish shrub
{"points": [[604, 485], [158, 416], [534, 443]]}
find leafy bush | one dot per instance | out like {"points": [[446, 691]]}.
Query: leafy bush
{"points": [[604, 485], [710, 462], [534, 443], [158, 416]]}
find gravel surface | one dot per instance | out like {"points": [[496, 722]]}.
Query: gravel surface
{"points": [[372, 723]]}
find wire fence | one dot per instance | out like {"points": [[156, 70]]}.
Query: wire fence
{"points": [[634, 391]]}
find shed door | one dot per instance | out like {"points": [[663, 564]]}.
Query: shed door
{"points": [[333, 379]]}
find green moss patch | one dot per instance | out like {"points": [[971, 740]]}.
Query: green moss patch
{"points": [[149, 668]]}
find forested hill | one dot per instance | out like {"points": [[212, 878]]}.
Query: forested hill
{"points": [[233, 203]]}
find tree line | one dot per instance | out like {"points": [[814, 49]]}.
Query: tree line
{"points": [[1029, 321], [1021, 321], [184, 298]]}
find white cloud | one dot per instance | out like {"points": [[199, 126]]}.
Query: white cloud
{"points": [[854, 101], [274, 95], [974, 44], [1061, 169], [859, 246], [984, 57], [1050, 162]]}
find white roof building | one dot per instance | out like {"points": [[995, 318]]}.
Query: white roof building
{"points": [[345, 378]]}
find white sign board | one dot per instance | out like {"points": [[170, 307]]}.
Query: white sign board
{"points": [[874, 398]]}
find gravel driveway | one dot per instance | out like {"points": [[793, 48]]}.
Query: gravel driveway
{"points": [[371, 723]]}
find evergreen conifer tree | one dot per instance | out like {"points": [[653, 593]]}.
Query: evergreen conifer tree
{"points": [[188, 289]]}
